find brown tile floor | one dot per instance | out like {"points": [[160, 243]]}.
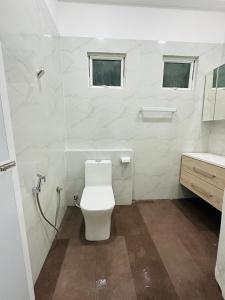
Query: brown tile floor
{"points": [[158, 250]]}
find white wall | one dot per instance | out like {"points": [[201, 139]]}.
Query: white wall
{"points": [[110, 119], [52, 6], [37, 111], [127, 22]]}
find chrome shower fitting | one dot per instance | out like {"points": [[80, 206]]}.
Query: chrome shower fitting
{"points": [[59, 189], [40, 73], [37, 189]]}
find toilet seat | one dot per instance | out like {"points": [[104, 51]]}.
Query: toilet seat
{"points": [[97, 198]]}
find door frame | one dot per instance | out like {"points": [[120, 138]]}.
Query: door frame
{"points": [[15, 176]]}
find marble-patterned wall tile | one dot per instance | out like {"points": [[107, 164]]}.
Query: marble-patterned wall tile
{"points": [[110, 118], [217, 137], [37, 112]]}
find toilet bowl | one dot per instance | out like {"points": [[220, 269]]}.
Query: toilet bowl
{"points": [[97, 201]]}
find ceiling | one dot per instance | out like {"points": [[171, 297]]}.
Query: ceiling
{"points": [[215, 5]]}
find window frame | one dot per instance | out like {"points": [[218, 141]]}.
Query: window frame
{"points": [[192, 60], [106, 56], [217, 78], [217, 69]]}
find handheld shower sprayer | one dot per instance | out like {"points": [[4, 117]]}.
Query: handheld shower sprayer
{"points": [[36, 190], [41, 177]]}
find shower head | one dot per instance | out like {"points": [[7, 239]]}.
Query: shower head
{"points": [[40, 73]]}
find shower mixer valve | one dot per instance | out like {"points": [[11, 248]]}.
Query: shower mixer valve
{"points": [[59, 189], [37, 189]]}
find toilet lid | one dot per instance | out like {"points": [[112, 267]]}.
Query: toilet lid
{"points": [[97, 198]]}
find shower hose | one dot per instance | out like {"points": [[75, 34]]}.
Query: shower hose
{"points": [[43, 215]]}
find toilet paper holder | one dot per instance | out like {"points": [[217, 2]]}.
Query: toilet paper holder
{"points": [[125, 159]]}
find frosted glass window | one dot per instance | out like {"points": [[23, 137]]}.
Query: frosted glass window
{"points": [[106, 70], [219, 77], [176, 75], [178, 72]]}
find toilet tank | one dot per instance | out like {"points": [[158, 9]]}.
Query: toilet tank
{"points": [[98, 172]]}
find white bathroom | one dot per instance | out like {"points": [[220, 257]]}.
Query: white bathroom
{"points": [[112, 157]]}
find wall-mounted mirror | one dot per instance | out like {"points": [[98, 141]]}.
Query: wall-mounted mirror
{"points": [[219, 113], [214, 95]]}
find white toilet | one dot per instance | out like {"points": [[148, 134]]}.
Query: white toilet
{"points": [[97, 200]]}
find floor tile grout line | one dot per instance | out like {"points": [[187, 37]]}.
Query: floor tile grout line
{"points": [[159, 254], [68, 240], [131, 271], [194, 227], [156, 249]]}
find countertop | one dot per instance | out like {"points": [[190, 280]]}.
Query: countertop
{"points": [[214, 159]]}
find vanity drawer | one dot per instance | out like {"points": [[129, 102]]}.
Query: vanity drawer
{"points": [[203, 189], [207, 172]]}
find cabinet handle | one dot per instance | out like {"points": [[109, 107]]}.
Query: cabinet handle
{"points": [[201, 191], [203, 173], [7, 166]]}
